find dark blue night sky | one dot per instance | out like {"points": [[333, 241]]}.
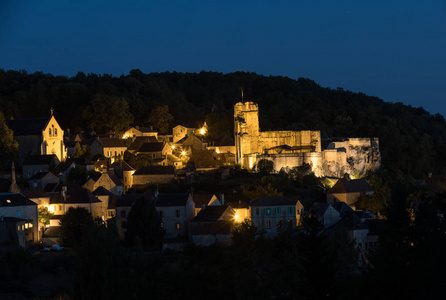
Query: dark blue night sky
{"points": [[395, 50]]}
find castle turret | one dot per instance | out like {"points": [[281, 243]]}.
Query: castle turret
{"points": [[246, 128]]}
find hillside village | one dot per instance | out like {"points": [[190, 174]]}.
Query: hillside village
{"points": [[60, 177], [170, 192]]}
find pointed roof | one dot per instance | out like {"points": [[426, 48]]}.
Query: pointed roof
{"points": [[214, 213], [271, 201], [179, 199], [33, 126], [344, 185], [82, 196], [40, 159], [14, 199]]}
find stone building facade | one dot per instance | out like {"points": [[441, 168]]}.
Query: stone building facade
{"points": [[288, 149]]}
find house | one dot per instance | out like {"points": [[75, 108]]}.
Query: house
{"points": [[38, 163], [194, 142], [123, 206], [154, 175], [175, 210], [138, 131], [348, 190], [180, 131], [38, 136], [223, 144], [108, 202], [41, 179], [172, 160], [325, 213], [271, 213], [153, 150], [109, 147], [124, 171], [138, 141], [64, 169], [19, 211], [203, 200], [108, 180], [212, 225], [85, 199]]}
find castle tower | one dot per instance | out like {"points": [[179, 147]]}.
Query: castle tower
{"points": [[246, 129]]}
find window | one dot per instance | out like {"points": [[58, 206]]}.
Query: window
{"points": [[162, 225], [161, 214], [177, 226], [55, 131], [122, 213], [290, 209], [277, 210], [31, 225], [49, 131], [26, 225], [297, 211], [267, 211], [60, 207], [268, 224], [18, 228], [177, 213]]}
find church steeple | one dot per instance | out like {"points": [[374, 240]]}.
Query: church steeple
{"points": [[14, 187]]}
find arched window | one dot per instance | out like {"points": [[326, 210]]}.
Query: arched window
{"points": [[49, 131], [55, 131]]}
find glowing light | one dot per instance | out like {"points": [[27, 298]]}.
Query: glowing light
{"points": [[51, 209], [183, 153], [173, 147], [217, 150], [202, 131], [125, 136]]}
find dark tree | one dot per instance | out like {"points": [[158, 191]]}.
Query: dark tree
{"points": [[144, 223], [73, 225], [8, 146], [160, 119]]}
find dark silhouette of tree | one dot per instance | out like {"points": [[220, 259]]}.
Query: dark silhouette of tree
{"points": [[160, 119], [108, 114], [8, 146], [144, 223], [73, 225]]}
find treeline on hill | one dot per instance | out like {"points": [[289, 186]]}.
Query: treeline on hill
{"points": [[412, 141]]}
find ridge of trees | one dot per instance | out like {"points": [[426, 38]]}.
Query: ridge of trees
{"points": [[412, 141]]}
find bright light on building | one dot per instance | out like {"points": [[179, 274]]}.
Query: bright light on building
{"points": [[173, 146], [183, 153], [202, 131], [51, 209]]}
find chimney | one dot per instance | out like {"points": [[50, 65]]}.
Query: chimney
{"points": [[347, 176]]}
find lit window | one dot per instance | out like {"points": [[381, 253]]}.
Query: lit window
{"points": [[18, 228], [7, 200], [177, 226], [26, 225], [162, 225], [60, 207], [23, 227], [31, 225], [268, 224]]}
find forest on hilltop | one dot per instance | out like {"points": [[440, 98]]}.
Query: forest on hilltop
{"points": [[412, 141]]}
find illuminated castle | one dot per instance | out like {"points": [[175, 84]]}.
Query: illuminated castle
{"points": [[288, 149]]}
